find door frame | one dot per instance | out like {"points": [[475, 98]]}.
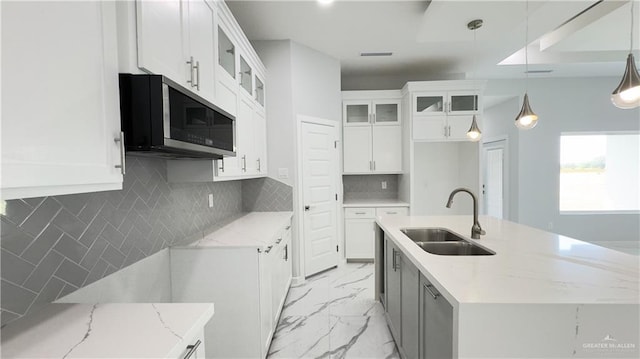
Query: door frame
{"points": [[506, 185], [298, 193]]}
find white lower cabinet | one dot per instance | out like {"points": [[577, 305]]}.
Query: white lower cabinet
{"points": [[193, 347], [248, 287], [359, 229]]}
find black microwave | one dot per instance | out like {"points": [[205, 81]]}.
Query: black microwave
{"points": [[160, 118]]}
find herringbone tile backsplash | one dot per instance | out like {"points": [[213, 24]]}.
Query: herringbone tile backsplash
{"points": [[370, 187], [52, 246], [266, 195]]}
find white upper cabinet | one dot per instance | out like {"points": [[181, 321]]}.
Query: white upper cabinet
{"points": [[175, 39], [443, 110], [60, 106], [372, 132], [226, 69]]}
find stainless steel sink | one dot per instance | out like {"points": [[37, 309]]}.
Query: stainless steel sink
{"points": [[460, 248], [443, 242], [431, 235]]}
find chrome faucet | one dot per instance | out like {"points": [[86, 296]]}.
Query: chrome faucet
{"points": [[476, 230]]}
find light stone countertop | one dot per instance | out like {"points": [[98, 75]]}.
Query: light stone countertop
{"points": [[124, 330], [255, 229], [374, 203], [530, 265]]}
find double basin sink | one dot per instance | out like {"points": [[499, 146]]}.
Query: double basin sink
{"points": [[443, 242]]}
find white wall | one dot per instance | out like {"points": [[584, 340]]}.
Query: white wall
{"points": [[300, 81], [499, 123], [563, 105], [438, 169]]}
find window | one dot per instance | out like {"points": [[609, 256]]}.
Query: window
{"points": [[599, 172]]}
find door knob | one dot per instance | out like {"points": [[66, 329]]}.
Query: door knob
{"points": [[306, 208]]}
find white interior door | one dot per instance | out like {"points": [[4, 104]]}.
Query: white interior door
{"points": [[493, 188], [319, 178]]}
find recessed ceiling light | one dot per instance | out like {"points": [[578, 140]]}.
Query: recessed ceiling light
{"points": [[325, 2], [365, 54]]}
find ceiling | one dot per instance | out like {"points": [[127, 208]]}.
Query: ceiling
{"points": [[430, 39]]}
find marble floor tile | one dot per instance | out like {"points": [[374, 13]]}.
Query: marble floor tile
{"points": [[334, 315]]}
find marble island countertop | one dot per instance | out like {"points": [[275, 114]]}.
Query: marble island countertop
{"points": [[124, 330], [255, 229], [530, 265]]}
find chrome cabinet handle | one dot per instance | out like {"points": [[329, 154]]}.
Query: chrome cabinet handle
{"points": [[197, 68], [374, 165], [191, 68], [445, 131], [221, 165], [428, 287], [192, 349], [394, 261], [360, 212], [244, 163], [287, 228], [370, 165], [120, 140], [286, 252], [374, 118], [268, 249], [279, 240], [392, 212], [259, 165]]}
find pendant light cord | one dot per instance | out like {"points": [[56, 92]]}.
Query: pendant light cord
{"points": [[526, 47], [631, 40], [475, 66]]}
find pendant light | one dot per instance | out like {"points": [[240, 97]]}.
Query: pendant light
{"points": [[627, 94], [474, 133], [526, 119]]}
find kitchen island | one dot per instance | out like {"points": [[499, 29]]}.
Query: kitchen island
{"points": [[540, 295]]}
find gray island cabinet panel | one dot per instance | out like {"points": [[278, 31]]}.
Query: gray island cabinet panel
{"points": [[410, 308], [436, 321]]}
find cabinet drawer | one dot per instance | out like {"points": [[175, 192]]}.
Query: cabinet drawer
{"points": [[359, 213], [392, 211]]}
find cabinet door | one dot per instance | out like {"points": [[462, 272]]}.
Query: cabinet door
{"points": [[458, 127], [357, 113], [267, 259], [387, 148], [259, 91], [160, 38], [463, 102], [226, 84], [277, 279], [357, 149], [392, 288], [201, 47], [436, 321], [386, 112], [430, 128], [410, 306], [260, 138], [246, 76], [429, 104], [359, 237], [60, 105]]}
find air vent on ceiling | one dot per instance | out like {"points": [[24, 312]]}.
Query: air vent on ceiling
{"points": [[539, 71], [366, 54]]}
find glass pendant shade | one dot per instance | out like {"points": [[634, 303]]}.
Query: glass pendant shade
{"points": [[474, 133], [627, 94], [526, 119]]}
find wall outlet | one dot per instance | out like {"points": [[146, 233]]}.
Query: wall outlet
{"points": [[283, 173], [384, 184], [210, 200], [550, 225]]}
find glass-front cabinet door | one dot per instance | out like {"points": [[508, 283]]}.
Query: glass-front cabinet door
{"points": [[259, 91], [386, 112], [463, 103], [226, 53], [429, 103], [357, 113], [246, 75]]}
